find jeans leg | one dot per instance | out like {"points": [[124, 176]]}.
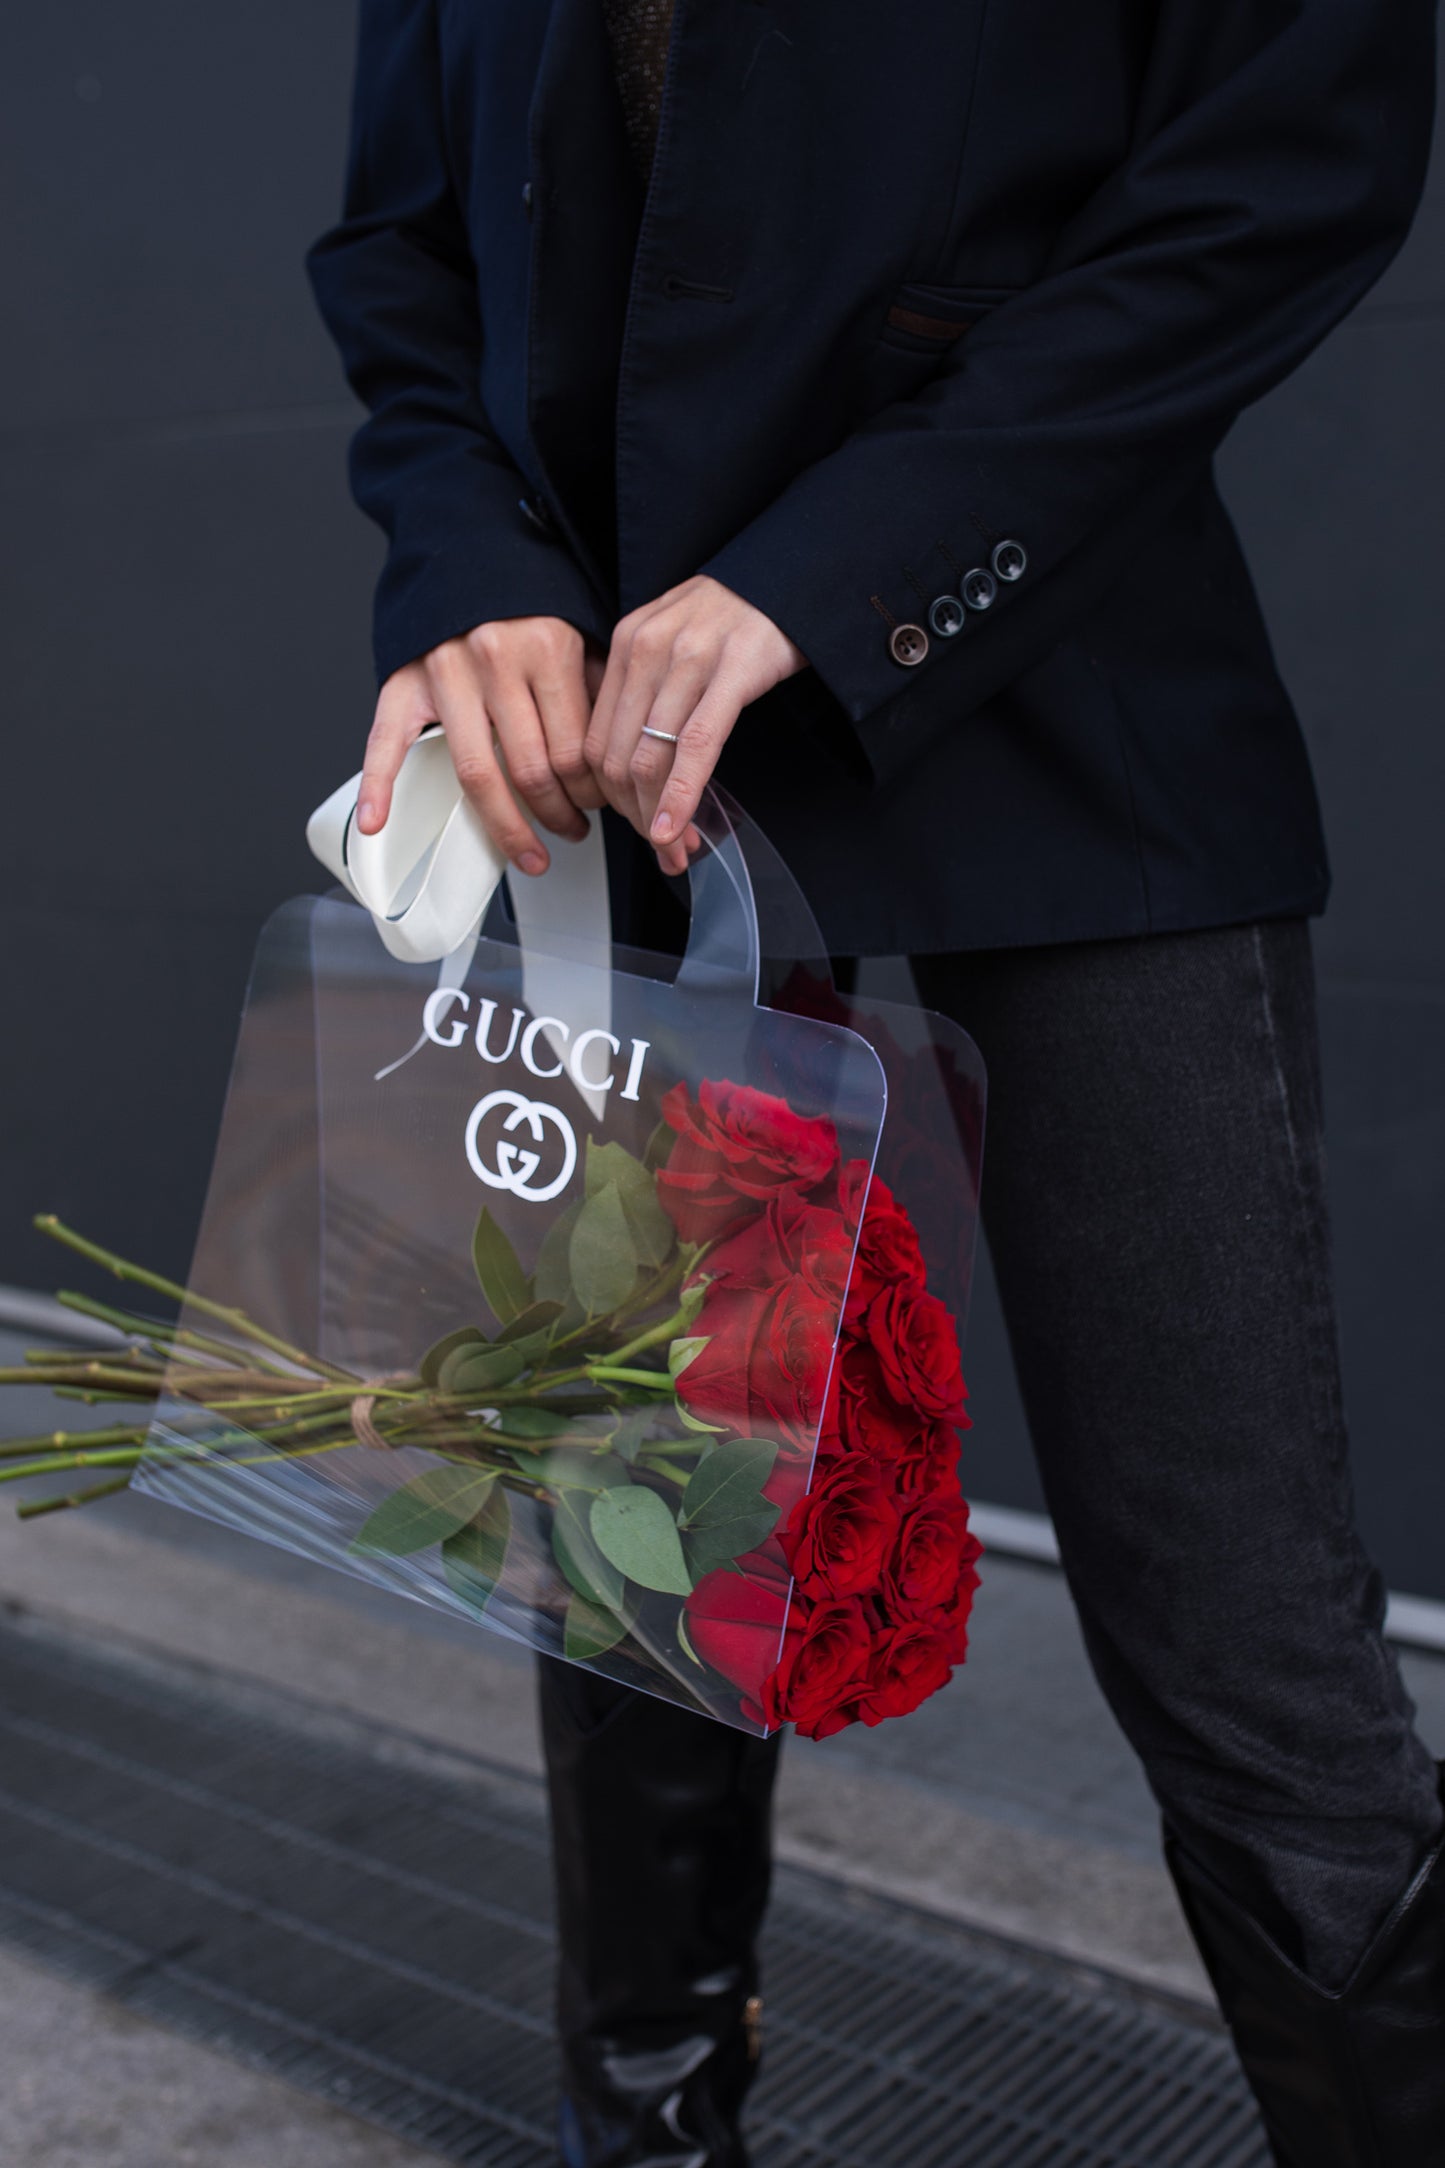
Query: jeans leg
{"points": [[1154, 1201]]}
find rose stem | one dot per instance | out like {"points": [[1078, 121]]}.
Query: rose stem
{"points": [[615, 1374], [49, 1224], [33, 1507], [150, 1328]]}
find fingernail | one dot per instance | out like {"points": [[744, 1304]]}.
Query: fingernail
{"points": [[366, 812], [532, 862], [662, 827]]}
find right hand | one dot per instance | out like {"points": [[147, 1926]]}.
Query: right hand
{"points": [[514, 697]]}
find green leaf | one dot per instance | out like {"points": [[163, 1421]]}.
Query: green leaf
{"points": [[565, 1468], [589, 1630], [603, 1258], [652, 1231], [658, 1148], [653, 1234], [695, 1422], [727, 1481], [429, 1368], [424, 1511], [476, 1369], [538, 1318], [684, 1640], [553, 1276], [680, 1352], [636, 1531], [721, 1542], [613, 1163], [470, 1370], [503, 1281], [473, 1558], [536, 1422], [573, 1546], [632, 1432]]}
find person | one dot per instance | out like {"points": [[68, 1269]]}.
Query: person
{"points": [[826, 398]]}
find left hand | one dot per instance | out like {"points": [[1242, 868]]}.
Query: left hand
{"points": [[688, 664]]}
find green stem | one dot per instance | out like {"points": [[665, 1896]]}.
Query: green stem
{"points": [[674, 1474], [65, 1441], [49, 1224], [616, 1374], [31, 1508], [115, 1456]]}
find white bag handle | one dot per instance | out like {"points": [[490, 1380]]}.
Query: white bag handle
{"points": [[429, 874]]}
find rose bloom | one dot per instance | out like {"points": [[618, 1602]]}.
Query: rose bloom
{"points": [[824, 1670], [736, 1148], [916, 1344], [840, 1537], [931, 1552], [764, 1370], [888, 1253], [952, 1618], [735, 1622], [792, 1239], [863, 1417], [906, 1664]]}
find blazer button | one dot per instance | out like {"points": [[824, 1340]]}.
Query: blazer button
{"points": [[908, 644], [1010, 560], [978, 588], [946, 616], [527, 197], [535, 511]]}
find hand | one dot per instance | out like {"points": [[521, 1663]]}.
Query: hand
{"points": [[513, 697], [688, 664]]}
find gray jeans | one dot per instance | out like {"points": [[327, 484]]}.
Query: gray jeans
{"points": [[1154, 1201]]}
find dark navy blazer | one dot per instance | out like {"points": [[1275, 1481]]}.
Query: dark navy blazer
{"points": [[909, 282]]}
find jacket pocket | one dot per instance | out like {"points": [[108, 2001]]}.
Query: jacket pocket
{"points": [[924, 319]]}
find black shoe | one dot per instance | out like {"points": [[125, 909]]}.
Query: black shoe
{"points": [[1350, 2079], [661, 1839]]}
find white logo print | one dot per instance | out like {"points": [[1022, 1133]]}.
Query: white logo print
{"points": [[516, 1165]]}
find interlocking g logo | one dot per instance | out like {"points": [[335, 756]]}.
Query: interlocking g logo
{"points": [[516, 1165]]}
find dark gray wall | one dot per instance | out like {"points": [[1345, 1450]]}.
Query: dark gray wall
{"points": [[183, 626]]}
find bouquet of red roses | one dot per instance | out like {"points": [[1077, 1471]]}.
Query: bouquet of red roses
{"points": [[622, 1465], [878, 1551]]}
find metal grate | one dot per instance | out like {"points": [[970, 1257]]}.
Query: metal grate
{"points": [[378, 1932]]}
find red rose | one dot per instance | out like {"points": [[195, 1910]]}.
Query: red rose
{"points": [[930, 1552], [861, 1416], [953, 1616], [792, 1239], [916, 1344], [764, 1370], [840, 1536], [888, 1253], [736, 1623], [736, 1148], [907, 1664], [823, 1671]]}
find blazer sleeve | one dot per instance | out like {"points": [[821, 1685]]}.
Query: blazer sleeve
{"points": [[396, 285], [1278, 160]]}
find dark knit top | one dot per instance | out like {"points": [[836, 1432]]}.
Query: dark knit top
{"points": [[640, 30]]}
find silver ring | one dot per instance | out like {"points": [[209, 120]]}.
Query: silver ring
{"points": [[668, 737]]}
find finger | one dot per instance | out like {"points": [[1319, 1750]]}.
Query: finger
{"points": [[527, 758], [565, 707], [707, 731], [677, 699], [635, 670], [473, 749], [403, 710], [676, 857]]}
